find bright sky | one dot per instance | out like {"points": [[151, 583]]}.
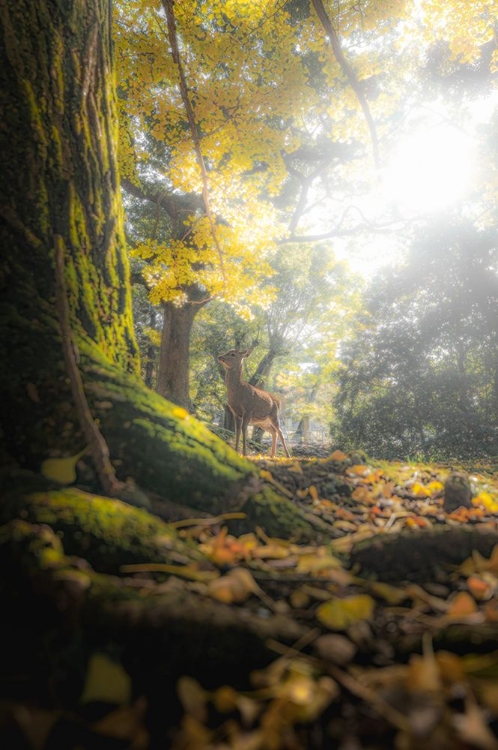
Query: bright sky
{"points": [[429, 170]]}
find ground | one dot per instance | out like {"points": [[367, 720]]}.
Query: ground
{"points": [[121, 631]]}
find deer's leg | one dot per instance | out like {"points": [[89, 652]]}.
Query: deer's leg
{"points": [[271, 429], [283, 442], [238, 421], [276, 425], [245, 422]]}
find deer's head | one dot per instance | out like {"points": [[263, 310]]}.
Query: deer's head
{"points": [[233, 358]]}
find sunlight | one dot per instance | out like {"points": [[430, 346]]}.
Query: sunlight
{"points": [[429, 170]]}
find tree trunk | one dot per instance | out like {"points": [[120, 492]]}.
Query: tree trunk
{"points": [[174, 358], [150, 365], [59, 186], [58, 183]]}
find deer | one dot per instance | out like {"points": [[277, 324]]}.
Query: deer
{"points": [[248, 404]]}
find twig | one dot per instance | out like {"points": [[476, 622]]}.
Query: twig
{"points": [[99, 449], [349, 73], [175, 53]]}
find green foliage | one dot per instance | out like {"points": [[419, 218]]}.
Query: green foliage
{"points": [[420, 375]]}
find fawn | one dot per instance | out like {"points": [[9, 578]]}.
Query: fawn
{"points": [[250, 405]]}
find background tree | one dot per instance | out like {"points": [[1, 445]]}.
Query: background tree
{"points": [[420, 377], [314, 300]]}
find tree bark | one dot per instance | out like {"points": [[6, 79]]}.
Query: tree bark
{"points": [[150, 365], [174, 359]]}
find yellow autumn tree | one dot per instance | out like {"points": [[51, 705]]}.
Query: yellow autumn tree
{"points": [[238, 117]]}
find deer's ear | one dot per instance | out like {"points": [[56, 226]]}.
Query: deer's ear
{"points": [[247, 352]]}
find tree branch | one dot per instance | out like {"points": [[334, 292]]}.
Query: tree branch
{"points": [[170, 16], [349, 73]]}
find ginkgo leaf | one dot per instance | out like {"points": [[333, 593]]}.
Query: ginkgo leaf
{"points": [[234, 588], [461, 604], [193, 698], [338, 614], [488, 501], [337, 456], [420, 490], [61, 470], [106, 681]]}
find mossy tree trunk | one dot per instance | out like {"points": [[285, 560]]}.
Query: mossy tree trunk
{"points": [[58, 180], [59, 186]]}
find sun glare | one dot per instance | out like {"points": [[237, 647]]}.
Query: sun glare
{"points": [[429, 170]]}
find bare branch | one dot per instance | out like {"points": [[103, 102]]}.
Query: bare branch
{"points": [[349, 73]]}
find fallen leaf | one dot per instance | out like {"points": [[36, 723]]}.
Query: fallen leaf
{"points": [[461, 604], [472, 727], [338, 614], [338, 456], [61, 470], [106, 681], [234, 588], [479, 588], [193, 698]]}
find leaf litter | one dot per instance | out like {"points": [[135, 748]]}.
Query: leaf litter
{"points": [[384, 662]]}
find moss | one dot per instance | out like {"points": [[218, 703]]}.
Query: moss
{"points": [[107, 533], [276, 515], [33, 541]]}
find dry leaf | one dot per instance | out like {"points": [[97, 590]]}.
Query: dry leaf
{"points": [[338, 614], [193, 698], [234, 588], [461, 604], [106, 681], [338, 456]]}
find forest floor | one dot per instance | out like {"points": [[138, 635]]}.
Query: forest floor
{"points": [[395, 613]]}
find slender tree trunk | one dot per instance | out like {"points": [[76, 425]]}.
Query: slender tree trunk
{"points": [[150, 365], [174, 357]]}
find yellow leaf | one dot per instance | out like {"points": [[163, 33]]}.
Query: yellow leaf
{"points": [[313, 492], [338, 614], [435, 486], [485, 499], [390, 594], [314, 563], [61, 470], [420, 491], [106, 681], [296, 467], [179, 412], [234, 588], [423, 674], [193, 698], [363, 495]]}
